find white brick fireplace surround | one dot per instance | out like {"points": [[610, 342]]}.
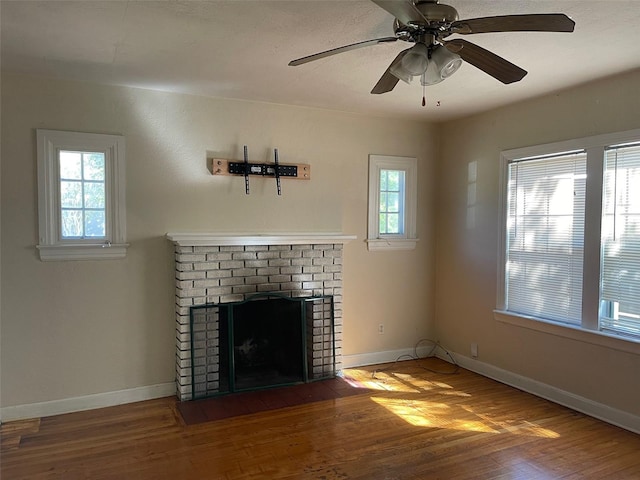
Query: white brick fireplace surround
{"points": [[214, 268]]}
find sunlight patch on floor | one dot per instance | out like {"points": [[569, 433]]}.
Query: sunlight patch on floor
{"points": [[421, 413], [396, 382], [399, 392]]}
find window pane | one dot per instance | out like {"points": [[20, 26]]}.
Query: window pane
{"points": [[393, 223], [82, 194], [71, 223], [393, 202], [383, 180], [94, 195], [382, 223], [70, 165], [93, 166], [94, 224], [383, 201], [620, 259], [545, 232], [70, 194], [394, 181]]}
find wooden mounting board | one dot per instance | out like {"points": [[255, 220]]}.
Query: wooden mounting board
{"points": [[220, 166]]}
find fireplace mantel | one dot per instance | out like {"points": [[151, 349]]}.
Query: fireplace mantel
{"points": [[207, 239]]}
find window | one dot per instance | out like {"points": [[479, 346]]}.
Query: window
{"points": [[571, 245], [545, 230], [620, 261], [391, 222], [80, 196], [392, 202]]}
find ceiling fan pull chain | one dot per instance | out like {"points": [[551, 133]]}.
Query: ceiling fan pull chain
{"points": [[424, 100]]}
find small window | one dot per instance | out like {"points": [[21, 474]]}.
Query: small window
{"points": [[392, 202], [81, 195]]}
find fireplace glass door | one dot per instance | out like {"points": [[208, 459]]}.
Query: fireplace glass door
{"points": [[268, 343], [265, 341]]}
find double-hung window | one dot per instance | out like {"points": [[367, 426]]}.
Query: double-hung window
{"points": [[620, 261], [80, 195], [571, 245], [545, 236], [392, 202]]}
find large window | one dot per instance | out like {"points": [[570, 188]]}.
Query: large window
{"points": [[571, 249], [80, 195], [545, 231], [392, 202], [620, 286]]}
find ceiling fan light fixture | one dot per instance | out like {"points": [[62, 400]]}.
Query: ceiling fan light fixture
{"points": [[399, 71], [446, 61], [431, 76], [416, 60]]}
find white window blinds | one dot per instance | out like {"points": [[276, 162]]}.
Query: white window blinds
{"points": [[620, 259], [545, 237]]}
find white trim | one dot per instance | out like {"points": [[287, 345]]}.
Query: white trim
{"points": [[603, 412], [406, 241], [584, 143], [87, 402], [51, 246], [375, 358], [392, 244], [213, 239], [594, 337], [101, 251]]}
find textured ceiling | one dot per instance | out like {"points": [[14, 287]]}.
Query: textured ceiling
{"points": [[240, 49]]}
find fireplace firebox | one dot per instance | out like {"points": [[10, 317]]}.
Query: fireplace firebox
{"points": [[265, 341]]}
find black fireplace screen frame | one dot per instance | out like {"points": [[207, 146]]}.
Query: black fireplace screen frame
{"points": [[211, 378]]}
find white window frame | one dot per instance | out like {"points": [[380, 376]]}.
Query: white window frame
{"points": [[588, 331], [51, 244], [407, 240]]}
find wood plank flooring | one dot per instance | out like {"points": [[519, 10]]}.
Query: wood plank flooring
{"points": [[409, 424]]}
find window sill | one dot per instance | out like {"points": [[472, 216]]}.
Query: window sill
{"points": [[593, 337], [82, 252], [375, 244]]}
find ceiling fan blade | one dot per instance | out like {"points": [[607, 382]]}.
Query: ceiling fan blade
{"points": [[545, 22], [334, 51], [488, 62], [388, 80], [403, 10]]}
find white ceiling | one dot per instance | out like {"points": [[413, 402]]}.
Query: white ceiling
{"points": [[240, 49]]}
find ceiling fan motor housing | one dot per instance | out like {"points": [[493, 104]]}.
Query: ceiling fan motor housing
{"points": [[436, 14]]}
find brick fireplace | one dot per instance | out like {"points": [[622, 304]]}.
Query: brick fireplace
{"points": [[229, 268]]}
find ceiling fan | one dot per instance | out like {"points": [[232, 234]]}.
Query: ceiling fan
{"points": [[427, 24]]}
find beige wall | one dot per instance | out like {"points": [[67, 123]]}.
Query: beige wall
{"points": [[77, 328], [468, 232]]}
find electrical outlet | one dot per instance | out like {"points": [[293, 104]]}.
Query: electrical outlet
{"points": [[381, 328], [474, 350]]}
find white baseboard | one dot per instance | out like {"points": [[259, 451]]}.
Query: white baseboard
{"points": [[87, 402], [581, 404], [589, 407], [374, 358]]}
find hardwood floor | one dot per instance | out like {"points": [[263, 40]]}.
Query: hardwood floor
{"points": [[410, 424]]}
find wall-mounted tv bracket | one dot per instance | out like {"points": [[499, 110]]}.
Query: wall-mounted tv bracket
{"points": [[297, 171]]}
